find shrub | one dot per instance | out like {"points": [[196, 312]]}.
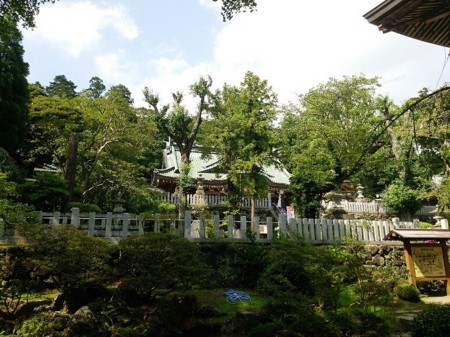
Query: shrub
{"points": [[67, 256], [433, 321], [357, 322], [400, 198], [157, 261], [407, 292]]}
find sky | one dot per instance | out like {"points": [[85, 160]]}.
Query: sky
{"points": [[167, 45]]}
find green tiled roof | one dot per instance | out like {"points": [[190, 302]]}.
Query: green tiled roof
{"points": [[209, 168]]}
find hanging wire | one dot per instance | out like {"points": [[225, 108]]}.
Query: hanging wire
{"points": [[443, 67]]}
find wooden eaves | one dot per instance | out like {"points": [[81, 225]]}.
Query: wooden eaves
{"points": [[412, 234], [425, 20]]}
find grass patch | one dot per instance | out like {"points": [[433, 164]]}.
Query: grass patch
{"points": [[216, 299]]}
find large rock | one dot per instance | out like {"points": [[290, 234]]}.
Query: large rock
{"points": [[84, 323]]}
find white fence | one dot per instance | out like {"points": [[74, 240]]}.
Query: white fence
{"points": [[215, 200], [113, 227], [375, 208], [266, 203], [316, 231]]}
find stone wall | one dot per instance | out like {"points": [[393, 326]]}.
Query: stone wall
{"points": [[385, 256]]}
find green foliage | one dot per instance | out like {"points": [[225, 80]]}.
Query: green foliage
{"points": [[320, 155], [34, 327], [46, 192], [52, 121], [13, 85], [407, 292], [61, 87], [159, 261], [431, 322], [372, 288], [231, 7], [444, 194], [424, 224], [357, 322], [21, 11], [67, 255], [400, 198], [185, 179], [297, 269]]}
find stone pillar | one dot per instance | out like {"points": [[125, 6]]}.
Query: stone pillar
{"points": [[187, 224], [91, 226], [282, 221], [243, 226], [75, 217], [269, 228], [230, 227], [125, 225], [108, 226]]}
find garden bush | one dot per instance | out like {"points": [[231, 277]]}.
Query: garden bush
{"points": [[432, 322], [407, 292]]}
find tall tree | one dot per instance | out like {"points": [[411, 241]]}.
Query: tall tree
{"points": [[21, 10], [123, 91], [329, 136], [231, 7], [53, 120], [61, 87], [241, 134], [26, 10], [178, 124], [14, 94], [111, 149], [96, 87]]}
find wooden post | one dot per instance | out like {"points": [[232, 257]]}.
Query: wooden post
{"points": [[409, 262]]}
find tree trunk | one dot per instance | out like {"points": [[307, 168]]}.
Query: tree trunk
{"points": [[71, 164], [182, 197], [252, 213]]}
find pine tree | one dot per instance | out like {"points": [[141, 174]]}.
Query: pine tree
{"points": [[14, 94]]}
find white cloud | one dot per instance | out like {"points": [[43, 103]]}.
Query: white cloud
{"points": [[294, 44], [75, 27], [297, 45]]}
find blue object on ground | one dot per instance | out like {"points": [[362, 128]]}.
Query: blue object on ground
{"points": [[235, 296]]}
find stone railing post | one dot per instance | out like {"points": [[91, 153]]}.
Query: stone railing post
{"points": [[243, 226], [75, 217], [140, 226], [125, 225], [256, 227], [269, 224], [108, 225], [216, 225], [56, 218], [91, 226], [156, 227], [230, 226], [282, 223], [187, 224]]}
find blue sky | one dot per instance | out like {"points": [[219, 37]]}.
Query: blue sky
{"points": [[168, 44]]}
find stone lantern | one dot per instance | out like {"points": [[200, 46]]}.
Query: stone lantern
{"points": [[118, 204]]}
